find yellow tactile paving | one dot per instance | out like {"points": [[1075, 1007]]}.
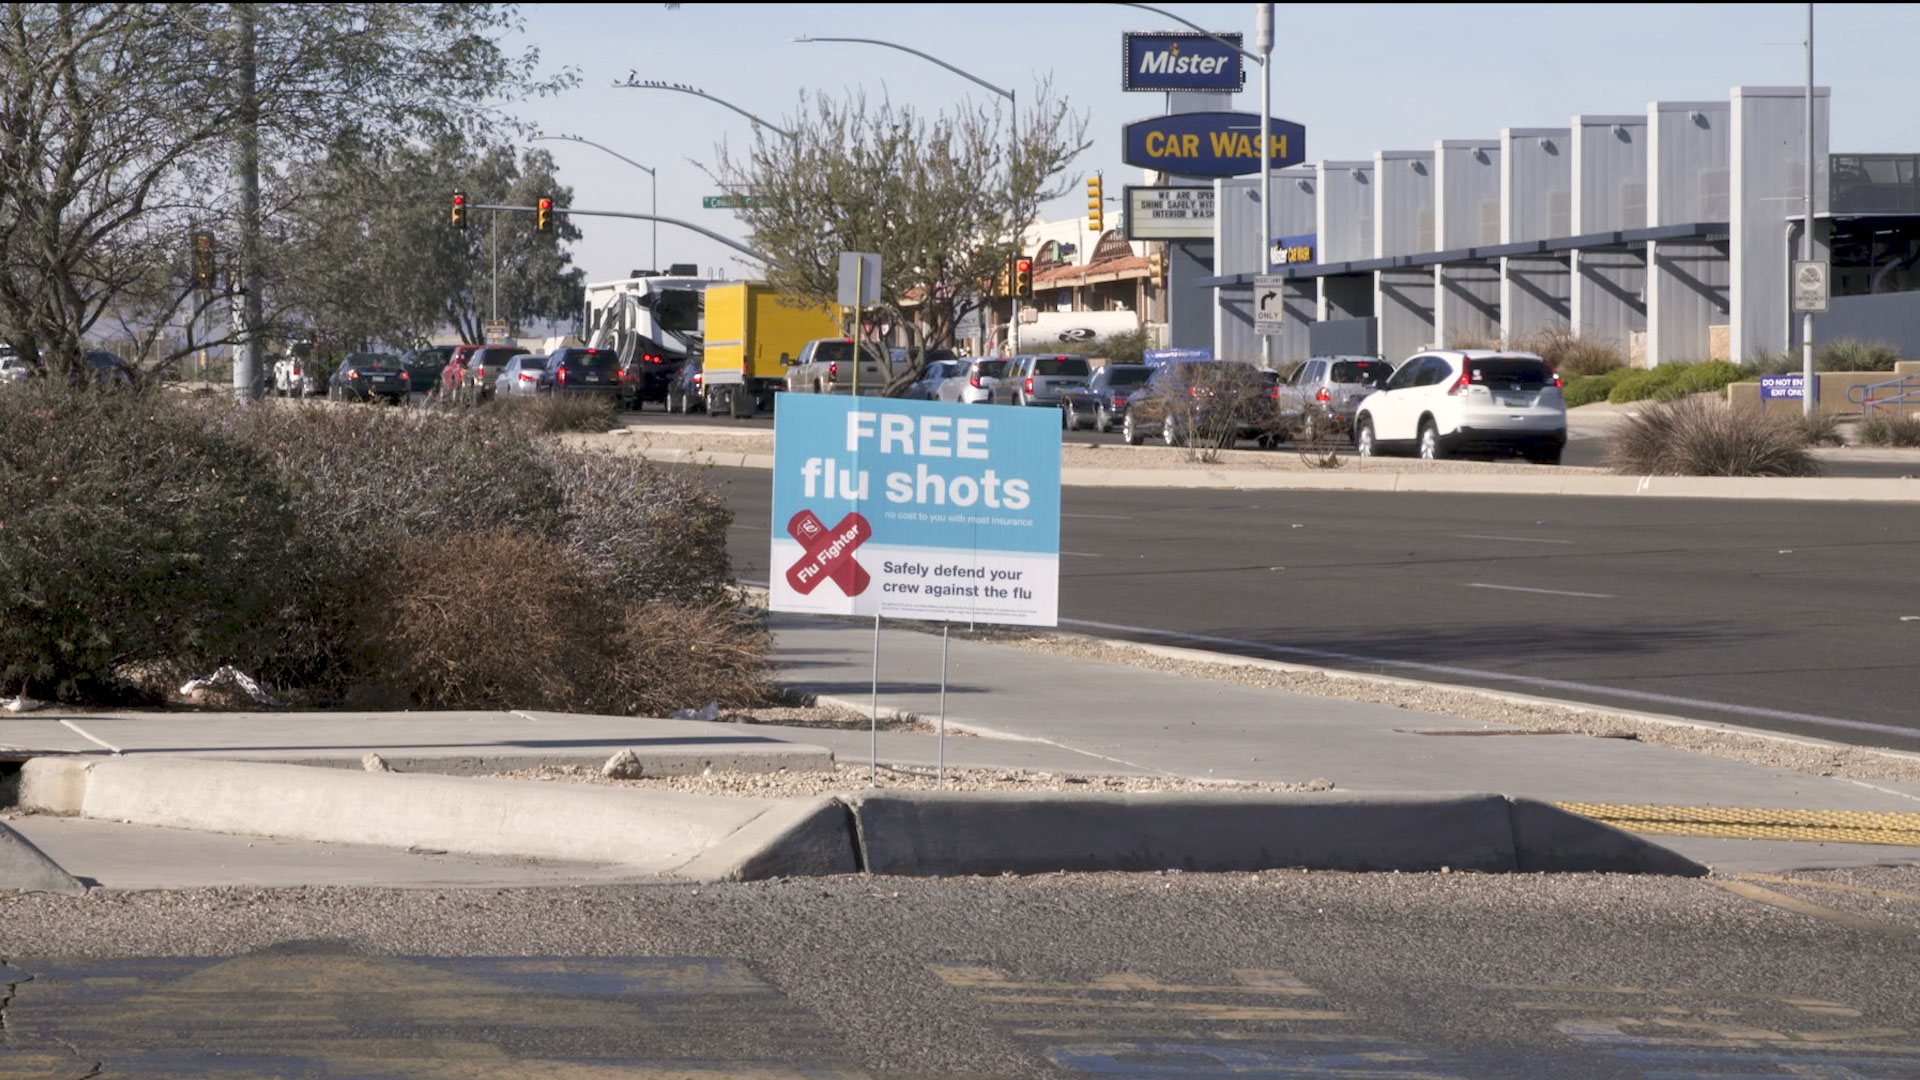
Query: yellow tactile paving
{"points": [[1829, 826]]}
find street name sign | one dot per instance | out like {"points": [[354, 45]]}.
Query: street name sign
{"points": [[915, 510]]}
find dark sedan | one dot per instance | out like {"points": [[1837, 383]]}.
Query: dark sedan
{"points": [[423, 366], [365, 376], [1203, 402], [594, 372], [1102, 403]]}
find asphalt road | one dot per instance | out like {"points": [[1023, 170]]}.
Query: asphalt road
{"points": [[1797, 617], [1279, 974]]}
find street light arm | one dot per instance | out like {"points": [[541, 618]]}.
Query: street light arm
{"points": [[1008, 94], [1256, 58], [632, 84], [596, 146]]}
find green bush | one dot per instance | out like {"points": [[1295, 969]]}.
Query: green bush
{"points": [[136, 545], [1639, 384], [1126, 347], [1670, 381], [1890, 429], [1709, 376], [1703, 437], [1591, 388]]}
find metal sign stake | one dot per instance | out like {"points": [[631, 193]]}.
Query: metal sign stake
{"points": [[945, 629], [873, 759]]}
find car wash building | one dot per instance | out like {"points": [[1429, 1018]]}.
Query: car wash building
{"points": [[1668, 232]]}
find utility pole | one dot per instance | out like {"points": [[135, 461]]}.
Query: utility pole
{"points": [[1263, 43], [1808, 404], [245, 277]]}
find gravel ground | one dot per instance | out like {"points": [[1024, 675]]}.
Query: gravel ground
{"points": [[853, 777]]}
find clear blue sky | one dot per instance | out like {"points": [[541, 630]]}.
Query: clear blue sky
{"points": [[1360, 77]]}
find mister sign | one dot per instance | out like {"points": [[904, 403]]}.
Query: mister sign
{"points": [[915, 510], [1182, 60]]}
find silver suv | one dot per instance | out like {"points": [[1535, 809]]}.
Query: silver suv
{"points": [[1039, 379], [1319, 397]]}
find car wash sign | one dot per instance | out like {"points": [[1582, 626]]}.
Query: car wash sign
{"points": [[1211, 143], [915, 510]]}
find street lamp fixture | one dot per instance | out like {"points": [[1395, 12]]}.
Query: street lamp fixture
{"points": [[634, 82], [651, 174]]}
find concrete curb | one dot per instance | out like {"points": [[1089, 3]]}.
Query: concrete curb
{"points": [[711, 838], [25, 868], [691, 761], [938, 834], [654, 831], [1804, 489]]}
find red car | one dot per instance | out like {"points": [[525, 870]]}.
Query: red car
{"points": [[453, 376]]}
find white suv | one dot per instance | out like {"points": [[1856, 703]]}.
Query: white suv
{"points": [[1444, 401]]}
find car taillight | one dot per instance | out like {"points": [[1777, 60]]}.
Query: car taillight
{"points": [[1119, 399], [296, 371], [833, 371], [651, 358], [353, 374], [1460, 385], [973, 381], [1321, 396], [1274, 393], [1556, 379], [698, 378], [1029, 384], [525, 377], [561, 375]]}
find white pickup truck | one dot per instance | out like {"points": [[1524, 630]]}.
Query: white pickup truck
{"points": [[825, 366]]}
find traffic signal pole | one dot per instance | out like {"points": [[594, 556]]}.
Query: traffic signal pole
{"points": [[708, 233]]}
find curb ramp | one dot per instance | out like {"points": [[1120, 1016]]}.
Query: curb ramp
{"points": [[716, 838], [25, 868]]}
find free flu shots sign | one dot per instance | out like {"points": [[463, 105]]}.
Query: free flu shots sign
{"points": [[916, 510]]}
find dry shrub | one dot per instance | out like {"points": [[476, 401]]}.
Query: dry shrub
{"points": [[136, 546], [1890, 429], [1702, 437], [495, 620], [1819, 429], [1573, 355], [650, 534], [553, 414]]}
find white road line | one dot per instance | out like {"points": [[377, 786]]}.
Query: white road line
{"points": [[1083, 554], [1549, 592], [80, 731], [1511, 539], [1527, 680]]}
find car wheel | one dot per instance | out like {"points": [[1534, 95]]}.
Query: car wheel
{"points": [[1170, 432], [1068, 420], [1129, 433], [1102, 420], [1430, 442], [1363, 443]]}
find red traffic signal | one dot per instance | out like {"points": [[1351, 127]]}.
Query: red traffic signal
{"points": [[543, 216], [1023, 278], [459, 218]]}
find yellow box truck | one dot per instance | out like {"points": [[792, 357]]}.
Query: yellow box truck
{"points": [[752, 333]]}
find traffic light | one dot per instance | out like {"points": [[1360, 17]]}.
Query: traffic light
{"points": [[459, 218], [203, 261], [1157, 268], [1004, 286], [543, 217], [1023, 278], [1095, 219]]}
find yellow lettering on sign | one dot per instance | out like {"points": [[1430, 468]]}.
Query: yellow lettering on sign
{"points": [[1189, 146], [1156, 143]]}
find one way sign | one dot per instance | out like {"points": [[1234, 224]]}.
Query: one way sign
{"points": [[1269, 303]]}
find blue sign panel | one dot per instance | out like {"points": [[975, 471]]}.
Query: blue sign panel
{"points": [[1167, 356], [915, 510], [1775, 387], [1301, 250], [1211, 143], [1181, 60]]}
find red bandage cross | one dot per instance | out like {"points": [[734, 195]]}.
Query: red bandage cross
{"points": [[829, 553]]}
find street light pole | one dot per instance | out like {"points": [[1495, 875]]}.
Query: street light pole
{"points": [[1807, 377], [1013, 151], [633, 83], [651, 175]]}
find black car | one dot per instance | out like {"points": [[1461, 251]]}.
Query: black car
{"points": [[1102, 403], [685, 393], [648, 372], [593, 372], [423, 366], [365, 376], [1202, 402]]}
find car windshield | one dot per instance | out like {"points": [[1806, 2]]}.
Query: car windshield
{"points": [[991, 369], [590, 361], [1510, 373], [533, 363], [1060, 365], [371, 360], [1128, 375], [1361, 372], [490, 357]]}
